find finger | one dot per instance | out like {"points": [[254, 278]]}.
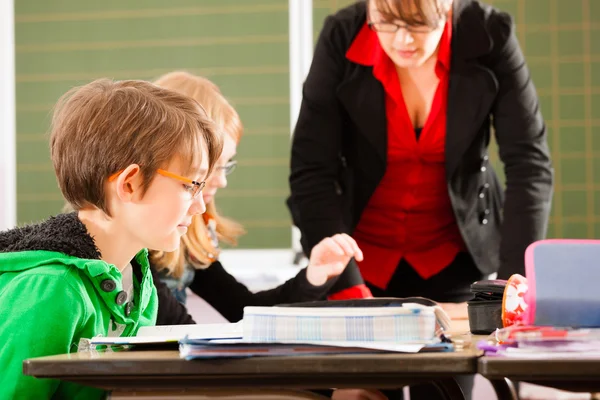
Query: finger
{"points": [[358, 254], [356, 251], [327, 245], [350, 246], [345, 242], [331, 244]]}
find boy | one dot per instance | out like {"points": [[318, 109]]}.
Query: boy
{"points": [[130, 158]]}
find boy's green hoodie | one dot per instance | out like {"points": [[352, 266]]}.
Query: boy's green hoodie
{"points": [[54, 291]]}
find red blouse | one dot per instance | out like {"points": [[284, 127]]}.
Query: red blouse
{"points": [[409, 215]]}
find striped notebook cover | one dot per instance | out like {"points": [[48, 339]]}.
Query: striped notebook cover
{"points": [[408, 324]]}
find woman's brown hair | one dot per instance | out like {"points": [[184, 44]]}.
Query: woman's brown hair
{"points": [[413, 12], [197, 247]]}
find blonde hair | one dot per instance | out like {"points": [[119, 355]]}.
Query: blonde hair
{"points": [[105, 126], [196, 245]]}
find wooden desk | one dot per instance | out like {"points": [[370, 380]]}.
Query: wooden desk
{"points": [[571, 374], [163, 370]]}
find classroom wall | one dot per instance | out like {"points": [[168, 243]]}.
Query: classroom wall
{"points": [[565, 64], [243, 46]]}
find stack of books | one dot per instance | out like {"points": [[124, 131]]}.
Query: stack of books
{"points": [[328, 327], [406, 327]]}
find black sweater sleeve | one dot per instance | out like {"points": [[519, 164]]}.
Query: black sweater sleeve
{"points": [[522, 140], [229, 297], [170, 311], [318, 174]]}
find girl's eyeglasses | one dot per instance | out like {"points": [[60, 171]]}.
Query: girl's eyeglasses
{"points": [[228, 168]]}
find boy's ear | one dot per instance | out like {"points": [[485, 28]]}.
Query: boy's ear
{"points": [[128, 183]]}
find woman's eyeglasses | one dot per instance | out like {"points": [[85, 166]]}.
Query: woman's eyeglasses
{"points": [[392, 27]]}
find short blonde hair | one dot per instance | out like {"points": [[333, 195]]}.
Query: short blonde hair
{"points": [[196, 244], [104, 126]]}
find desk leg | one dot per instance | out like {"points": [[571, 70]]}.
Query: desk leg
{"points": [[449, 389], [505, 389]]}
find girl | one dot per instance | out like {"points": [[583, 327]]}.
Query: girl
{"points": [[196, 265]]}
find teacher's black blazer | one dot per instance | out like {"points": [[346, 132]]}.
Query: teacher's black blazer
{"points": [[339, 144]]}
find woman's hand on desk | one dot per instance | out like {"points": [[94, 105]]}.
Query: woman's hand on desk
{"points": [[456, 311], [330, 257], [357, 394]]}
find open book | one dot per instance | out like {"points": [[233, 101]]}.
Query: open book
{"points": [[148, 335]]}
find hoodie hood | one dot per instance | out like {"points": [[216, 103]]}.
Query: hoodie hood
{"points": [[64, 240], [64, 233]]}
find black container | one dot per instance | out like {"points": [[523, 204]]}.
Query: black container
{"points": [[485, 309]]}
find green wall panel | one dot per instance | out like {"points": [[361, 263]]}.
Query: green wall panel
{"points": [[243, 46]]}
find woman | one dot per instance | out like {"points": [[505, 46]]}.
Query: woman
{"points": [[195, 264], [391, 146]]}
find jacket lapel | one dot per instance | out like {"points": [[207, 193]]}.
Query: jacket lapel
{"points": [[363, 98]]}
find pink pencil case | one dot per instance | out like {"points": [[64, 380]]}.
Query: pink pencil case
{"points": [[563, 276]]}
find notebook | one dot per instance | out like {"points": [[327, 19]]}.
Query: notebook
{"points": [[414, 320], [198, 349]]}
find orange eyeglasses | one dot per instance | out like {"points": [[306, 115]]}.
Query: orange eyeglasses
{"points": [[193, 187]]}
